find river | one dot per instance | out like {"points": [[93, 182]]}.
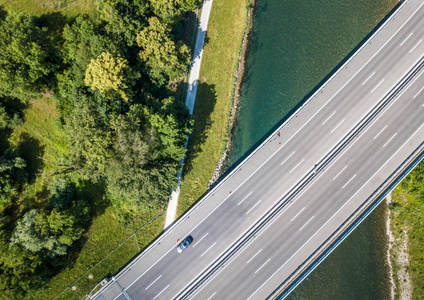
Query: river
{"points": [[294, 46]]}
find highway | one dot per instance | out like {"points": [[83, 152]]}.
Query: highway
{"points": [[280, 166]]}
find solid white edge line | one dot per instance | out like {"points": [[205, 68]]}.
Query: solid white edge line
{"points": [[153, 282], [253, 256], [296, 166], [329, 118], [200, 239], [380, 132], [339, 173], [161, 292], [337, 126], [413, 48], [244, 198], [418, 93], [211, 296], [348, 181], [253, 207], [306, 223], [297, 214], [263, 265], [406, 39], [287, 158], [368, 78], [389, 140], [377, 85], [208, 249]]}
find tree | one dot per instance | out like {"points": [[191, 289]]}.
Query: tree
{"points": [[164, 59], [26, 59], [90, 139], [61, 192], [49, 232], [12, 174], [110, 75], [172, 10]]}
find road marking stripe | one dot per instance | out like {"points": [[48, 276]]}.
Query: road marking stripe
{"points": [[380, 132], [306, 223], [208, 249], [413, 48], [161, 292], [348, 181], [263, 265], [211, 296], [245, 198], [297, 214], [287, 158], [406, 39], [389, 140], [252, 207], [418, 92], [368, 78], [200, 240], [153, 282], [340, 173], [337, 126], [329, 118], [297, 165], [377, 85], [253, 256]]}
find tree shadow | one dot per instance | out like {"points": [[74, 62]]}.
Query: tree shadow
{"points": [[31, 150], [3, 12], [203, 108]]}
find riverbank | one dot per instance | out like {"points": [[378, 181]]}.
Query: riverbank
{"points": [[214, 102]]}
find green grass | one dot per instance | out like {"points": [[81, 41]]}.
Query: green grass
{"points": [[70, 8], [408, 211], [214, 98]]}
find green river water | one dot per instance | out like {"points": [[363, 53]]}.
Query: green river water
{"points": [[294, 46]]}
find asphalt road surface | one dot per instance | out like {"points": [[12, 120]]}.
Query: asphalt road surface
{"points": [[284, 161]]}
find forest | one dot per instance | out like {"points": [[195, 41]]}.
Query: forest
{"points": [[112, 76]]}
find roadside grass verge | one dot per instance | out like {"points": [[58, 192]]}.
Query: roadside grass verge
{"points": [[408, 211], [69, 8], [214, 98]]}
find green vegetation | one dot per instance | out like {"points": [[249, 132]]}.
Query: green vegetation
{"points": [[90, 137], [407, 209], [214, 98]]}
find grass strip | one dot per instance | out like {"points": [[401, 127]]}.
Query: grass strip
{"points": [[214, 98]]}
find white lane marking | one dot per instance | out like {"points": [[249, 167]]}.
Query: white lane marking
{"points": [[306, 223], [245, 198], [418, 92], [337, 126], [200, 240], [389, 140], [287, 158], [253, 207], [413, 48], [161, 292], [329, 118], [253, 256], [211, 296], [263, 265], [368, 78], [339, 173], [380, 132], [208, 249], [153, 282], [377, 85], [297, 214], [348, 181], [296, 165], [406, 39]]}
